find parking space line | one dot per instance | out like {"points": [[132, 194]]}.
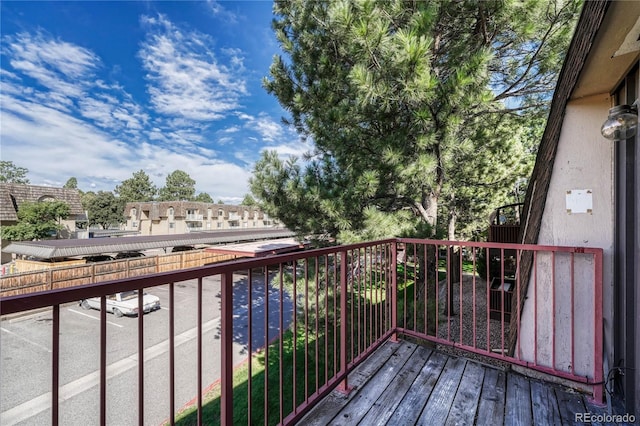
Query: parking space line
{"points": [[30, 408], [92, 317], [25, 339]]}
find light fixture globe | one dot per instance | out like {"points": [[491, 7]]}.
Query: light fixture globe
{"points": [[622, 123]]}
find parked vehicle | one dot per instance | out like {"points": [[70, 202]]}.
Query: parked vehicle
{"points": [[98, 258], [182, 248], [124, 303], [129, 254]]}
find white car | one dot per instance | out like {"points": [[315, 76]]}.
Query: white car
{"points": [[124, 303]]}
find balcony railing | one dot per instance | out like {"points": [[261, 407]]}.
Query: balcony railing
{"points": [[192, 217], [297, 324]]}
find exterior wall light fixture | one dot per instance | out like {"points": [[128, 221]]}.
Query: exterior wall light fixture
{"points": [[622, 122]]}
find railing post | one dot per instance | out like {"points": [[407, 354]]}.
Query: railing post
{"points": [[55, 365], [344, 385], [598, 373], [226, 378], [394, 291]]}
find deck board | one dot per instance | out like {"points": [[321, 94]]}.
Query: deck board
{"points": [[409, 409], [407, 384], [383, 409], [518, 406], [466, 400], [568, 404], [492, 398], [369, 393], [335, 401], [440, 400], [544, 405]]}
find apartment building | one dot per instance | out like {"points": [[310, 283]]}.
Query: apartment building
{"points": [[179, 217]]}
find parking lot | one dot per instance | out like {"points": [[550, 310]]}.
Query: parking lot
{"points": [[25, 355]]}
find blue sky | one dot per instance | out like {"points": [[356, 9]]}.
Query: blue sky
{"points": [[99, 90]]}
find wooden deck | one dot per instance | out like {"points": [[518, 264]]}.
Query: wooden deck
{"points": [[407, 384]]}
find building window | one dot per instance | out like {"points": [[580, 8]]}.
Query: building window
{"points": [[219, 224], [134, 224], [209, 213], [172, 225], [220, 212], [170, 212], [133, 212]]}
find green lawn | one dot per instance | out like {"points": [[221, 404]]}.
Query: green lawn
{"points": [[324, 358]]}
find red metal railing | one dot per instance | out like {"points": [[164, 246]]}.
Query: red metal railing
{"points": [[473, 303], [303, 321]]}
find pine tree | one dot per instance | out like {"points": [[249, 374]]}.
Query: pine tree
{"points": [[405, 103]]}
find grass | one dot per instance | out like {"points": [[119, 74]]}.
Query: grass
{"points": [[211, 409], [305, 375]]}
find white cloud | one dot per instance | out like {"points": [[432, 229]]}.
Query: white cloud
{"points": [[268, 129], [219, 11], [184, 77], [297, 149], [57, 65]]}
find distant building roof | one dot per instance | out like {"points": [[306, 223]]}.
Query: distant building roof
{"points": [[12, 195], [259, 248], [51, 249]]}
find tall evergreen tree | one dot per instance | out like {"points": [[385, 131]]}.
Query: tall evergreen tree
{"points": [[204, 197], [137, 188], [72, 183], [410, 105], [179, 186]]}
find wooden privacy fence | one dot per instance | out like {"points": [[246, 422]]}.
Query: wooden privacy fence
{"points": [[88, 273]]}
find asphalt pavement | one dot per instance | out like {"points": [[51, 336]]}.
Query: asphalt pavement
{"points": [[25, 355]]}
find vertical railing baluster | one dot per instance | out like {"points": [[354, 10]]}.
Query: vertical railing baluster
{"points": [[352, 296], [535, 307], [460, 298], [393, 291], [357, 292], [344, 385], [306, 329], [488, 301], [172, 357], [502, 291], [598, 373], [295, 333], [326, 318], [449, 288], [317, 335], [141, 356], [335, 314], [103, 360], [553, 310], [572, 315], [474, 250], [426, 288], [415, 288], [199, 349], [266, 344], [281, 342], [226, 361], [55, 365]]}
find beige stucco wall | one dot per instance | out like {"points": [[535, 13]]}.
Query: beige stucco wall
{"points": [[584, 160]]}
